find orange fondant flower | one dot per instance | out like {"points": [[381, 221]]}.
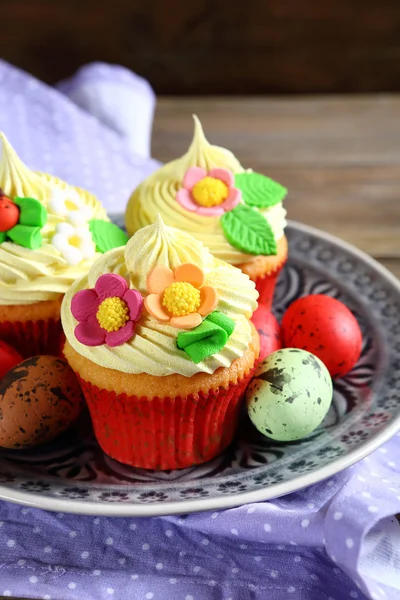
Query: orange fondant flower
{"points": [[179, 297]]}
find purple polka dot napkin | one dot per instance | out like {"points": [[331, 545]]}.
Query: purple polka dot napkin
{"points": [[335, 540]]}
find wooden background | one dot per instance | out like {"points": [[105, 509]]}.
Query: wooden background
{"points": [[212, 46]]}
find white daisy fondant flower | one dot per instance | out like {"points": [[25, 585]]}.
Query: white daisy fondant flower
{"points": [[75, 244], [67, 203]]}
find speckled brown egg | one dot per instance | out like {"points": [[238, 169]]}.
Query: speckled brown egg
{"points": [[39, 399]]}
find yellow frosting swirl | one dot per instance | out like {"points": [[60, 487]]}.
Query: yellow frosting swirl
{"points": [[153, 348], [28, 276], [157, 195]]}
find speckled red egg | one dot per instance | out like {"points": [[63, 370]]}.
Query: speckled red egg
{"points": [[268, 330], [39, 399], [325, 327], [9, 358]]}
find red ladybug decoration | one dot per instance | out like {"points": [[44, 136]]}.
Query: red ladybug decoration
{"points": [[9, 358], [268, 330], [325, 327], [9, 213]]}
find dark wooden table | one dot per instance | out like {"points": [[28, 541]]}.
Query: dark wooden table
{"points": [[338, 156]]}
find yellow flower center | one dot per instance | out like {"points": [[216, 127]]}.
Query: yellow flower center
{"points": [[210, 191], [69, 205], [181, 299], [75, 241], [112, 314]]}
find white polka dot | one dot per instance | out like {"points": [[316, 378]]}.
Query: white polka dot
{"points": [[6, 593], [21, 562], [274, 574], [145, 546], [234, 532], [60, 515], [243, 546], [188, 597], [149, 595], [314, 577], [72, 585], [48, 550], [10, 543], [168, 533], [72, 534], [311, 505], [196, 569], [182, 553], [122, 561], [330, 483], [214, 515], [291, 589], [297, 558], [337, 516], [293, 543], [96, 572], [366, 494], [267, 527], [353, 594], [110, 591], [159, 566], [36, 530], [96, 521], [257, 558], [33, 579], [109, 541], [305, 523], [280, 547], [251, 510], [391, 463], [132, 526], [85, 554], [235, 570], [25, 511], [212, 582], [349, 542], [205, 542], [172, 580], [373, 509]]}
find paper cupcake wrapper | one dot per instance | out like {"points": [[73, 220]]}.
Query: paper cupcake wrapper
{"points": [[31, 338], [164, 433], [266, 287]]}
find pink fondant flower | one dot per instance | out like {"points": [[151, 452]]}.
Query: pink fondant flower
{"points": [[209, 194], [108, 313]]}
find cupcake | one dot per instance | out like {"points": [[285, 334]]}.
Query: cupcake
{"points": [[236, 213], [50, 234], [159, 336]]}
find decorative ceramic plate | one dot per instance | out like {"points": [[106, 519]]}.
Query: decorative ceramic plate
{"points": [[73, 475]]}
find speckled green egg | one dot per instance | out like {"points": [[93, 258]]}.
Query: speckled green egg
{"points": [[289, 395]]}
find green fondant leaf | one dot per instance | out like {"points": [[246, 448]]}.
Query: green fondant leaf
{"points": [[259, 190], [107, 235], [32, 212], [249, 231], [218, 318], [26, 236], [3, 236], [206, 339]]}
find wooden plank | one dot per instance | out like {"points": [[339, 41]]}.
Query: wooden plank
{"points": [[204, 47]]}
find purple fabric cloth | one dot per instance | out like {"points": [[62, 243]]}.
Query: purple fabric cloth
{"points": [[335, 540]]}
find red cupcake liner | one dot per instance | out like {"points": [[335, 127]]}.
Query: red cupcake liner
{"points": [[266, 287], [164, 433], [31, 338]]}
